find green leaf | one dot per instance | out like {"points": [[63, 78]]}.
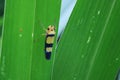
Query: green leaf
{"points": [[1, 24], [23, 56], [17, 40], [89, 48], [47, 13], [1, 21]]}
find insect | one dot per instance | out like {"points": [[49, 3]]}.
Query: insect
{"points": [[49, 40]]}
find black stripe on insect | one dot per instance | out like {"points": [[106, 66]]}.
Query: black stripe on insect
{"points": [[49, 40]]}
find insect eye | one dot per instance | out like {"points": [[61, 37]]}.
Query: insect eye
{"points": [[48, 28]]}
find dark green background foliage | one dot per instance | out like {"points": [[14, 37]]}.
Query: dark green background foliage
{"points": [[2, 7], [1, 15]]}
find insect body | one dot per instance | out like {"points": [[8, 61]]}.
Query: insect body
{"points": [[50, 35]]}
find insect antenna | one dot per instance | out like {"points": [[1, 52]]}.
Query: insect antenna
{"points": [[55, 23], [42, 25]]}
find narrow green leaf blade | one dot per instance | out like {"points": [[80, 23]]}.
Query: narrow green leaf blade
{"points": [[17, 40], [47, 13]]}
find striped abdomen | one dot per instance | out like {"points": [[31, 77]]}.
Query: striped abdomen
{"points": [[48, 45]]}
